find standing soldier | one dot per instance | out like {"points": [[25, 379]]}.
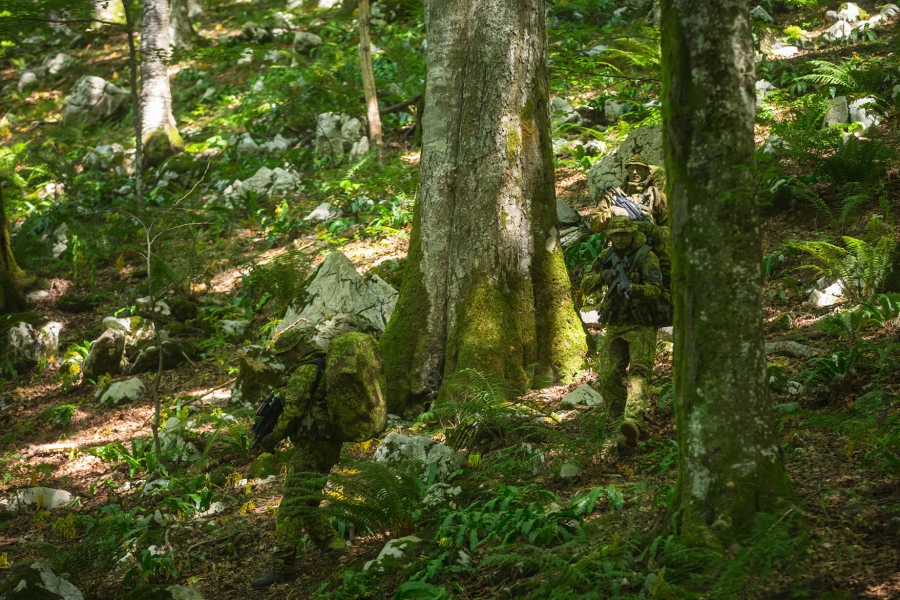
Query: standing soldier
{"points": [[330, 399], [630, 309], [640, 186]]}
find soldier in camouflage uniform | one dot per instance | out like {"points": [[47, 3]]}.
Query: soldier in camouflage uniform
{"points": [[629, 347], [305, 420], [640, 186]]}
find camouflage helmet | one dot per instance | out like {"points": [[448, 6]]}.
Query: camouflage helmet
{"points": [[637, 159], [288, 340], [620, 224]]}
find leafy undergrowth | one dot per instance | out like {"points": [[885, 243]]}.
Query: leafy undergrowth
{"points": [[509, 525]]}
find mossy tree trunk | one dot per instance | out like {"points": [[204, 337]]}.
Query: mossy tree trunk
{"points": [[731, 465], [486, 286], [11, 299], [159, 133]]}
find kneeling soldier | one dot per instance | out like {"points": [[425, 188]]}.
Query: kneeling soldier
{"points": [[630, 271]]}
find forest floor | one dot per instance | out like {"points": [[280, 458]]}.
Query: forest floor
{"points": [[836, 426]]}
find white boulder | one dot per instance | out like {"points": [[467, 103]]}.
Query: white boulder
{"points": [[28, 338], [130, 390], [837, 112], [583, 395], [398, 448], [849, 12], [93, 100], [305, 42], [841, 30]]}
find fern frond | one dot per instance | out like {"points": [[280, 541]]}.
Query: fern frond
{"points": [[827, 73]]}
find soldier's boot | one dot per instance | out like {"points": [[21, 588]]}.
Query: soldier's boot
{"points": [[324, 536], [268, 579]]}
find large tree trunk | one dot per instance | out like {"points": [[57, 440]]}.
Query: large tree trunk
{"points": [[731, 465], [159, 132], [486, 286], [181, 31], [368, 75], [11, 300]]}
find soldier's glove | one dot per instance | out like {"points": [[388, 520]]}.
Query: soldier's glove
{"points": [[590, 284], [607, 276], [268, 443]]}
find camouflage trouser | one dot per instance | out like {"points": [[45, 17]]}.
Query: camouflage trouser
{"points": [[306, 475], [626, 366]]}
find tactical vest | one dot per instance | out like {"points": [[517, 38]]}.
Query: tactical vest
{"points": [[616, 310]]}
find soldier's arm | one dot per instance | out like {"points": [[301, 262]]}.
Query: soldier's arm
{"points": [[600, 218], [650, 287], [297, 395], [661, 208], [593, 281]]}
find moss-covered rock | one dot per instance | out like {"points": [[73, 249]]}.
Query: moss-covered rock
{"points": [[183, 309], [175, 352], [269, 464], [354, 378], [161, 592], [256, 379], [781, 323], [26, 338], [778, 376]]}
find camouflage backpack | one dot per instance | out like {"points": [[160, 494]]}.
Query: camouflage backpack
{"points": [[354, 378]]}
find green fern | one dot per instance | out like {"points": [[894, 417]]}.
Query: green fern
{"points": [[826, 73], [631, 55], [860, 266], [282, 279]]}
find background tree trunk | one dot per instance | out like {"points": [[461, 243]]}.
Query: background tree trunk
{"points": [[368, 76], [181, 31], [109, 11], [731, 465], [11, 300], [486, 286], [159, 132]]}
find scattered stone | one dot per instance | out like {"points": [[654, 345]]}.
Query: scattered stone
{"points": [[27, 79], [161, 592], [666, 334], [398, 448], [758, 13], [105, 157], [613, 110], [337, 288], [763, 87], [395, 555], [850, 12], [247, 145], [584, 395], [785, 51], [93, 100], [246, 57], [106, 355], [830, 296], [889, 10], [278, 144], [59, 240], [781, 323], [130, 390], [858, 113], [569, 470], [777, 377], [794, 388], [255, 34], [573, 235], [37, 295], [256, 378], [235, 331], [841, 30], [49, 498], [565, 215], [794, 349], [58, 64], [646, 141], [339, 325], [440, 495], [161, 312], [561, 111], [594, 51], [175, 352], [337, 134], [837, 112], [831, 16], [319, 214], [594, 148], [305, 42], [774, 144], [360, 147], [39, 582], [266, 182], [27, 338]]}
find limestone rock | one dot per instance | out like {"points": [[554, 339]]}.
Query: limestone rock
{"points": [[565, 215], [849, 12], [235, 331], [889, 10], [161, 592], [777, 376], [758, 13], [266, 182], [781, 323], [837, 112], [795, 349], [395, 555], [594, 148], [763, 87], [613, 110], [305, 42], [161, 312], [93, 100], [255, 34], [27, 338], [131, 390], [105, 157], [859, 113], [830, 296], [665, 334], [175, 352], [58, 64], [28, 79], [39, 582], [837, 32], [256, 379], [337, 134], [398, 448], [561, 111], [646, 141], [572, 235], [106, 355], [569, 470], [831, 16], [337, 289], [440, 495], [319, 214], [359, 147], [339, 325], [584, 395], [49, 498]]}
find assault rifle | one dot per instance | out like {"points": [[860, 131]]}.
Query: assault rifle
{"points": [[618, 198], [621, 279], [268, 412]]}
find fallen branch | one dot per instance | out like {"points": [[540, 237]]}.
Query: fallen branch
{"points": [[401, 106]]}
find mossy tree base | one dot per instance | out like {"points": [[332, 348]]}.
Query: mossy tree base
{"points": [[161, 145], [485, 286]]}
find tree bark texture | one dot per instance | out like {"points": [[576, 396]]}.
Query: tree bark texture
{"points": [[11, 300], [181, 31], [368, 75], [485, 285], [731, 465], [159, 133]]}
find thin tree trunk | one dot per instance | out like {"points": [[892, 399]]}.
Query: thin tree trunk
{"points": [[485, 285], [368, 75], [11, 300], [181, 30], [110, 11], [159, 132], [135, 106], [731, 465]]}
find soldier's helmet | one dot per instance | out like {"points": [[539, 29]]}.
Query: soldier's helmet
{"points": [[637, 159], [289, 340], [621, 225]]}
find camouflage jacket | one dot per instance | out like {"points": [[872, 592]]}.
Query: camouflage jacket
{"points": [[305, 413], [646, 286], [651, 199]]}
